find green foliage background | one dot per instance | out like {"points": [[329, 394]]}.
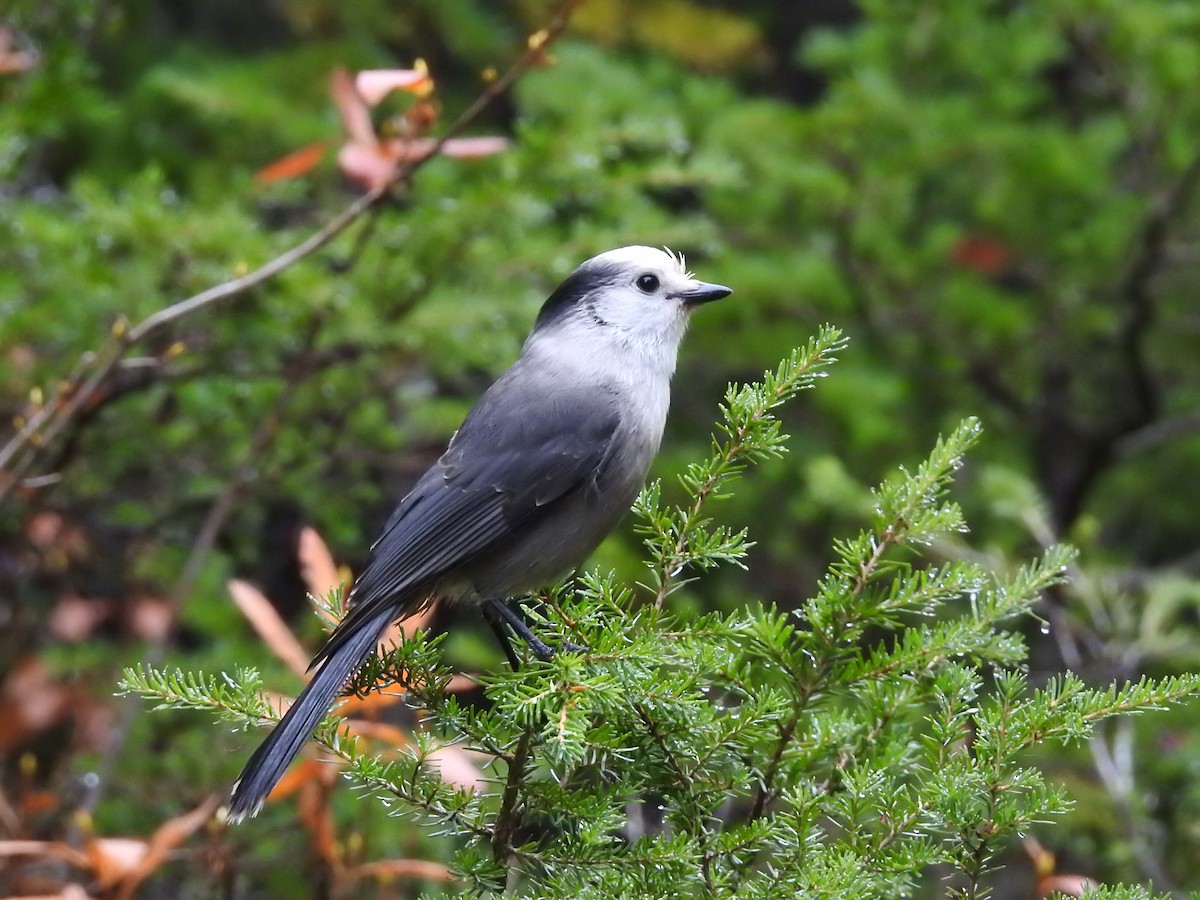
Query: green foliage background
{"points": [[995, 201]]}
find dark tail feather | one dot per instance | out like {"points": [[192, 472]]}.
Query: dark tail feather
{"points": [[264, 769]]}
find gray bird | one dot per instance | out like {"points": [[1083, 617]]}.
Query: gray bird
{"points": [[543, 467]]}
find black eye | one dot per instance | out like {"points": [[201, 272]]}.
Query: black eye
{"points": [[647, 283]]}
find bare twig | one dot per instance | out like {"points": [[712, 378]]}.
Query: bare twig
{"points": [[59, 413], [1135, 288], [1115, 766]]}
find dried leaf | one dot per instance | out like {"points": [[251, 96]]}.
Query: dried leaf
{"points": [[32, 701], [317, 567], [271, 628], [381, 697], [366, 164], [149, 617], [311, 769], [1069, 885], [1048, 883], [169, 835], [124, 862], [113, 859], [461, 683], [68, 892], [51, 531], [297, 163], [356, 118], [412, 149], [375, 84], [387, 869], [55, 849], [76, 618], [11, 59], [382, 732], [315, 815], [457, 766], [34, 803], [475, 147]]}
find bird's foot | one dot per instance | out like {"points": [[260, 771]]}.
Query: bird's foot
{"points": [[497, 611]]}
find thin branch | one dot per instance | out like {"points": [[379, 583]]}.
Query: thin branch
{"points": [[509, 817], [892, 535], [1156, 434], [1148, 257], [1115, 767], [49, 423]]}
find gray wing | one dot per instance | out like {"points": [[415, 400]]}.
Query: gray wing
{"points": [[498, 475]]}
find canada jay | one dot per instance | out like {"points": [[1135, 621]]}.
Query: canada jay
{"points": [[542, 469]]}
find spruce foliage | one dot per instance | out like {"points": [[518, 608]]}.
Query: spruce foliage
{"points": [[843, 748]]}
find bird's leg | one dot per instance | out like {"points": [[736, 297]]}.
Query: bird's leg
{"points": [[518, 607], [502, 610], [572, 647], [497, 626]]}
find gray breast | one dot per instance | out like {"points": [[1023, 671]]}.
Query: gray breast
{"points": [[570, 528]]}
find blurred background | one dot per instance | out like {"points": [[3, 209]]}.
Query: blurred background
{"points": [[995, 200]]}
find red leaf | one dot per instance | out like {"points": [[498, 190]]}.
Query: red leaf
{"points": [[984, 255], [297, 163]]}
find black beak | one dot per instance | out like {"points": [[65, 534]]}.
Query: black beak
{"points": [[704, 293]]}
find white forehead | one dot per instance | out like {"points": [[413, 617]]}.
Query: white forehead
{"points": [[639, 257]]}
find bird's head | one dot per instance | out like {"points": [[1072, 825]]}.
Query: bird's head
{"points": [[638, 296]]}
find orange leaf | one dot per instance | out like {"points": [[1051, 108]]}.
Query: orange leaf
{"points": [[375, 84], [34, 803], [312, 769], [381, 697], [296, 163], [271, 628], [315, 815]]}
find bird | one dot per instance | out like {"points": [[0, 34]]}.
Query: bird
{"points": [[543, 467]]}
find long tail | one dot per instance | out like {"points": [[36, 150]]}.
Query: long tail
{"points": [[267, 765]]}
